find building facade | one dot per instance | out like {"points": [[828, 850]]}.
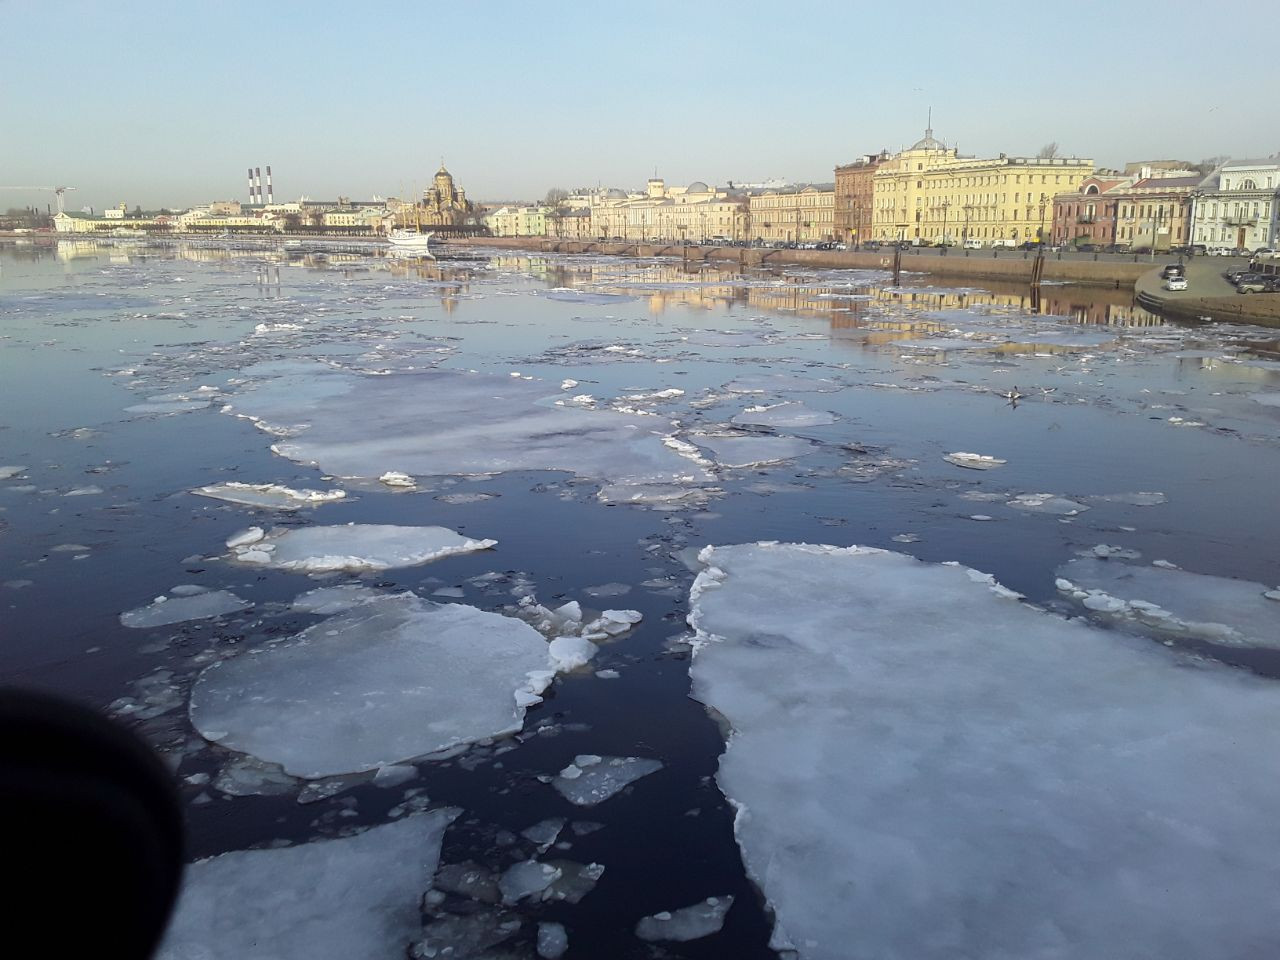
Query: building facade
{"points": [[854, 198], [796, 215], [1087, 215], [1238, 206], [696, 213], [1155, 213], [517, 221], [930, 194]]}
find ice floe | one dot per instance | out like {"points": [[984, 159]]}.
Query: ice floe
{"points": [[379, 683], [924, 768], [446, 422], [1173, 603], [353, 898], [792, 414], [272, 496], [688, 923], [351, 547], [592, 779], [1047, 503], [973, 461], [746, 450], [177, 608]]}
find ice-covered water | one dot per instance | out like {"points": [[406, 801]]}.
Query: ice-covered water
{"points": [[518, 464]]}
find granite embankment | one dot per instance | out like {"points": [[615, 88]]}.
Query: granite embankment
{"points": [[1013, 265]]}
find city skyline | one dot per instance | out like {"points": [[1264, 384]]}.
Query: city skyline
{"points": [[519, 99]]}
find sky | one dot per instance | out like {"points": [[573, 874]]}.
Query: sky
{"points": [[168, 103]]}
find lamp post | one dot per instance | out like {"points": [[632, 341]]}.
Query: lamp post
{"points": [[1040, 235], [946, 205]]}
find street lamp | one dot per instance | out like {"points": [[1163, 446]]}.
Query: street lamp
{"points": [[1040, 235], [946, 205]]}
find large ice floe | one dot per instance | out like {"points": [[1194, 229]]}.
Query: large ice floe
{"points": [[385, 680], [1174, 603], [926, 767], [446, 422], [350, 547], [191, 603], [351, 898]]}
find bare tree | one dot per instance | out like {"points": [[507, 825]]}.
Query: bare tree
{"points": [[1048, 151], [555, 196]]}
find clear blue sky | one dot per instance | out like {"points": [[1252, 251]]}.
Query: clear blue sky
{"points": [[154, 103]]}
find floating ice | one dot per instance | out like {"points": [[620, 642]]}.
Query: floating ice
{"points": [[1143, 498], [1106, 551], [745, 450], [355, 898], [1266, 399], [591, 779], [1047, 503], [250, 777], [553, 940], [270, 495], [385, 681], [11, 471], [177, 609], [688, 923], [353, 547], [544, 832], [446, 422], [1044, 789], [1174, 603], [327, 601], [792, 414], [527, 879], [396, 478], [973, 461], [782, 383], [570, 653]]}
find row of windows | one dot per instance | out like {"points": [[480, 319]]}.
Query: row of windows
{"points": [[980, 181]]}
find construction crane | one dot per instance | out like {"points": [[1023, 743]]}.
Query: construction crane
{"points": [[59, 191]]}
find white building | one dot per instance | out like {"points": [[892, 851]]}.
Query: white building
{"points": [[1239, 206]]}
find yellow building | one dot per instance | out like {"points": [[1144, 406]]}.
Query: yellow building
{"points": [[804, 215], [928, 194]]}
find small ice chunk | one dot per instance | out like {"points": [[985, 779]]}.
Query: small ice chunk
{"points": [[576, 880], [544, 832], [602, 779], [526, 879], [394, 774], [570, 653], [245, 537], [973, 461], [687, 923], [249, 777], [11, 471], [273, 496], [395, 478], [553, 940], [468, 879]]}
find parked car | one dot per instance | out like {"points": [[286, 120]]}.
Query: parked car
{"points": [[1087, 248], [1266, 253], [1176, 282], [1003, 242], [1235, 274], [1031, 245], [1173, 270], [1252, 283], [972, 243], [1273, 284]]}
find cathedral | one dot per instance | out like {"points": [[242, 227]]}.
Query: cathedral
{"points": [[443, 204]]}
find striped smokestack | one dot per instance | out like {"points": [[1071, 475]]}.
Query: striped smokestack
{"points": [[251, 184], [257, 183], [271, 197]]}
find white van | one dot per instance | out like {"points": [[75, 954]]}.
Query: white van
{"points": [[972, 243], [1004, 242]]}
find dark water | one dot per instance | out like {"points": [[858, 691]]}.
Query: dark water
{"points": [[1117, 401]]}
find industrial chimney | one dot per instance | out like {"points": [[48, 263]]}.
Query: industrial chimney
{"points": [[251, 184], [271, 197], [257, 182]]}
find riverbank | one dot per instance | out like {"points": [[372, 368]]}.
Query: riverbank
{"points": [[1014, 265]]}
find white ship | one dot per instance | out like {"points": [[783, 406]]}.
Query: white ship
{"points": [[410, 240]]}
